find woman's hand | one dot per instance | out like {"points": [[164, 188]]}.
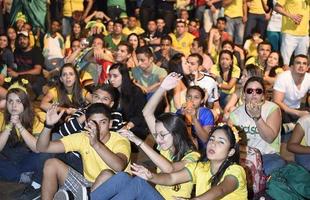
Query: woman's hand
{"points": [[130, 136], [254, 109], [141, 171], [171, 81], [52, 114]]}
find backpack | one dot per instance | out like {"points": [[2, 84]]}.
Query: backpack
{"points": [[291, 182], [251, 161]]}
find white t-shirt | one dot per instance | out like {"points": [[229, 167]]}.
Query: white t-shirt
{"points": [[207, 83], [292, 95], [275, 22], [305, 125], [240, 118]]}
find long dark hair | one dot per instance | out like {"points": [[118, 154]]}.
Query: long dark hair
{"points": [[231, 67], [128, 88], [272, 72], [181, 140], [216, 178], [72, 35], [77, 96], [26, 117]]}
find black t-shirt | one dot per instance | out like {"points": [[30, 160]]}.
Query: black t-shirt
{"points": [[27, 60]]}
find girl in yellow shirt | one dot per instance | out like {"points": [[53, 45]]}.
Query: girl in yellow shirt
{"points": [[68, 93], [218, 178], [19, 126]]}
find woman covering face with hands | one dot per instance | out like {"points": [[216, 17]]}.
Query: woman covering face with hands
{"points": [[261, 121]]}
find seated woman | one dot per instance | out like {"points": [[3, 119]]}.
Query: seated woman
{"points": [[299, 143], [68, 93], [226, 74], [260, 120], [236, 98], [169, 131], [20, 124], [274, 66], [131, 101], [218, 178]]}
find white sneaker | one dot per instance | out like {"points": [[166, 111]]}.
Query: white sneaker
{"points": [[61, 195]]}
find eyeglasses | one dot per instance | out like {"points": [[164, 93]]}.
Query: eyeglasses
{"points": [[257, 91], [161, 135]]}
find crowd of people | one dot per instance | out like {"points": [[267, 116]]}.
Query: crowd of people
{"points": [[202, 78]]}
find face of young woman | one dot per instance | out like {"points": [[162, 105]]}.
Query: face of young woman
{"points": [[254, 92], [76, 29], [68, 77], [218, 146], [12, 34], [163, 137], [273, 60], [14, 104], [195, 97], [244, 77], [3, 42], [185, 66], [133, 40], [115, 78], [225, 61]]}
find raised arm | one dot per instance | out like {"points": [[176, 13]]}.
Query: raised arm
{"points": [[148, 111], [43, 143]]}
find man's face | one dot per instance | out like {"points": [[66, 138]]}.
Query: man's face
{"points": [[151, 26], [55, 27], [132, 22], [300, 66], [102, 122], [160, 24], [117, 29], [221, 25], [264, 51], [122, 54], [193, 64], [101, 96], [23, 42], [165, 45], [180, 28]]}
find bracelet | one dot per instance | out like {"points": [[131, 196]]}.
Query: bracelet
{"points": [[48, 126], [8, 127], [256, 118]]}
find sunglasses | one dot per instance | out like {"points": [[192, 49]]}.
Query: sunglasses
{"points": [[257, 91]]}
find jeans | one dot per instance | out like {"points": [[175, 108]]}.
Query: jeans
{"points": [[209, 19], [296, 44], [168, 16], [16, 160], [255, 21], [272, 162], [303, 160], [235, 27], [275, 39], [66, 26], [123, 186], [199, 12]]}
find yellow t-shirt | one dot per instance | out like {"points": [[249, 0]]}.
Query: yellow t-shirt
{"points": [[235, 9], [137, 30], [38, 123], [301, 7], [254, 61], [92, 162], [201, 173], [183, 44], [185, 189], [54, 93], [72, 5], [215, 69], [256, 7]]}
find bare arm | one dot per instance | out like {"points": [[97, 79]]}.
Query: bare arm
{"points": [[269, 130], [294, 145], [88, 7], [230, 84], [227, 186], [266, 8], [245, 12], [4, 136], [201, 131], [279, 98], [35, 71], [296, 18]]}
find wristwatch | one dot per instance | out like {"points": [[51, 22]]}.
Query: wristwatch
{"points": [[256, 118]]}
